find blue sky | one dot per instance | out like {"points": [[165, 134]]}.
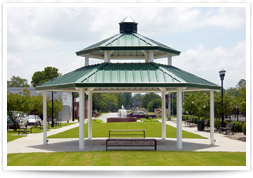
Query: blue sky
{"points": [[210, 39]]}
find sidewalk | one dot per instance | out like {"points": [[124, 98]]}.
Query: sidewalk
{"points": [[34, 142], [222, 142]]}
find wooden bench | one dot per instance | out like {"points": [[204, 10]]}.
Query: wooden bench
{"points": [[129, 132], [119, 142]]}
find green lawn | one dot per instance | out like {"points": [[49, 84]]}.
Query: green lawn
{"points": [[13, 135], [153, 129], [128, 158]]}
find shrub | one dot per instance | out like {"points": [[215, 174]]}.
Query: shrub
{"points": [[149, 120], [147, 116], [217, 123], [244, 128], [237, 127], [97, 120]]}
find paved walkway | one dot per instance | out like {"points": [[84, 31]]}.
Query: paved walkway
{"points": [[105, 116], [33, 142], [222, 142]]}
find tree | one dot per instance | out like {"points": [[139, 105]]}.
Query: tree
{"points": [[148, 98], [31, 104], [121, 100], [137, 99], [104, 102], [152, 105], [16, 81], [242, 99], [196, 103], [47, 74], [129, 100]]}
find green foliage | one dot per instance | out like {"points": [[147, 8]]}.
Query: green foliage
{"points": [[149, 120], [151, 101], [128, 100], [137, 99], [237, 127], [244, 128], [16, 81], [105, 102], [217, 123], [47, 74], [152, 105], [57, 107], [31, 104], [97, 120], [242, 99], [121, 100], [197, 103]]}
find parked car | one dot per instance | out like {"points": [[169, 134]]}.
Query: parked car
{"points": [[33, 120], [14, 118], [11, 123], [140, 114]]}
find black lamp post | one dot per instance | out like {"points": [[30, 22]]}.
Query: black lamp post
{"points": [[222, 75], [236, 109], [52, 124]]}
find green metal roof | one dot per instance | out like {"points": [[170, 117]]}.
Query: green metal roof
{"points": [[133, 42], [128, 75]]}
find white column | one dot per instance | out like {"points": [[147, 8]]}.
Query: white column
{"points": [[81, 119], [163, 116], [86, 60], [107, 56], [150, 56], [44, 117], [89, 115], [179, 118], [169, 109], [211, 117], [146, 55], [170, 60]]}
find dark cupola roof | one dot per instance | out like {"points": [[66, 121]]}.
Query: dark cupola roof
{"points": [[128, 25]]}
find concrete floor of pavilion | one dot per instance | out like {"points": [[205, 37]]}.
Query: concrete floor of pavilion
{"points": [[33, 143]]}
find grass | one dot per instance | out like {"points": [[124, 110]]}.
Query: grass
{"points": [[152, 129], [149, 120], [128, 158], [13, 135]]}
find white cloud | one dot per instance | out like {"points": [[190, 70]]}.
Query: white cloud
{"points": [[207, 63], [227, 17], [40, 37]]}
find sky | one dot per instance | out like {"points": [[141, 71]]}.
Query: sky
{"points": [[209, 38]]}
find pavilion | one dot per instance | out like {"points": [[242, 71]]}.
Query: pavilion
{"points": [[128, 77]]}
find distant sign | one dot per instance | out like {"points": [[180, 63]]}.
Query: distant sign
{"points": [[158, 112]]}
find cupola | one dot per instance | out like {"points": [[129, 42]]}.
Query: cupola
{"points": [[128, 25]]}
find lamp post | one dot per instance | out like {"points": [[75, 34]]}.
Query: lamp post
{"points": [[52, 124], [222, 75], [236, 110]]}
